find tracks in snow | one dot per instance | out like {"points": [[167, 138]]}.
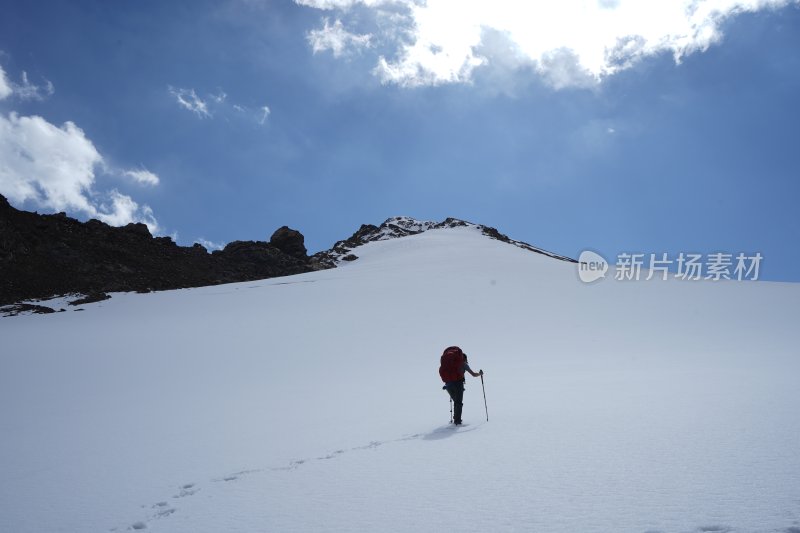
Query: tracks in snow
{"points": [[164, 509]]}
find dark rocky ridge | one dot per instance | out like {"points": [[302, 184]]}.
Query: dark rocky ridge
{"points": [[49, 255], [42, 256]]}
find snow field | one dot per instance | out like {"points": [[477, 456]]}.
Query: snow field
{"points": [[312, 403]]}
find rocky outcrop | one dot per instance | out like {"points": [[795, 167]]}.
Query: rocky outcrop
{"points": [[290, 242], [396, 227], [49, 255]]}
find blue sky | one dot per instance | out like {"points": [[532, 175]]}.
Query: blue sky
{"points": [[224, 120]]}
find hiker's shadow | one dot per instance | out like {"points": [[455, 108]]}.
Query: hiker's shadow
{"points": [[447, 431]]}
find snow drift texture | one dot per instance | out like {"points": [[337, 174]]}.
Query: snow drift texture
{"points": [[312, 402]]}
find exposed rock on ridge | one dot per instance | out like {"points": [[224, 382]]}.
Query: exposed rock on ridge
{"points": [[290, 242], [396, 227], [48, 255]]}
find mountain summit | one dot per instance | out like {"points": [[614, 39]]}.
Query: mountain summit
{"points": [[401, 226]]}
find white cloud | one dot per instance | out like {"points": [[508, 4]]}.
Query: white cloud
{"points": [[336, 39], [569, 42], [265, 113], [215, 106], [188, 99], [145, 177], [121, 209], [209, 245], [29, 91], [342, 4], [54, 167], [25, 90], [5, 85], [50, 165]]}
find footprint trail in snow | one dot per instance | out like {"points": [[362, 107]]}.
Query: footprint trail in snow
{"points": [[163, 509]]}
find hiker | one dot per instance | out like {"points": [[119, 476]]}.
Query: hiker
{"points": [[453, 366]]}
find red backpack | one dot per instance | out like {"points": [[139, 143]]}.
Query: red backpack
{"points": [[452, 365]]}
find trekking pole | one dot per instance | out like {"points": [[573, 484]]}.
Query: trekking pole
{"points": [[484, 397], [451, 410]]}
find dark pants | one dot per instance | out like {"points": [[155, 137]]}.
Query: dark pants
{"points": [[456, 392]]}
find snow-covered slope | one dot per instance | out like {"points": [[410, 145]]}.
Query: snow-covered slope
{"points": [[312, 403], [397, 227]]}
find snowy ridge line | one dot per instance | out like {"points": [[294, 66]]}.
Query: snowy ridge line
{"points": [[401, 226], [162, 509]]}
